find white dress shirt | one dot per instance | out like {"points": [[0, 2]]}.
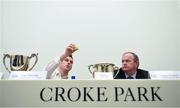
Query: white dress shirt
{"points": [[52, 69]]}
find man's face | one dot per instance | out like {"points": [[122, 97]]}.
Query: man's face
{"points": [[128, 63], [66, 64]]}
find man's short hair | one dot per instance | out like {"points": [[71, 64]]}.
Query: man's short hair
{"points": [[71, 56], [136, 58]]}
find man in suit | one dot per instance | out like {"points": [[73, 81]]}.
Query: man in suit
{"points": [[129, 69]]}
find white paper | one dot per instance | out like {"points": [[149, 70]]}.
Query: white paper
{"points": [[166, 75], [1, 74], [27, 75], [103, 75]]}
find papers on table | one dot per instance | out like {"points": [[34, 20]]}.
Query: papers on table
{"points": [[103, 75], [166, 75], [27, 75], [1, 74]]}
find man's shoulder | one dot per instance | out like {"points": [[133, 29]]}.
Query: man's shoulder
{"points": [[119, 74], [142, 70], [143, 73]]}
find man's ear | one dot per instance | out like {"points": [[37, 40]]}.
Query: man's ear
{"points": [[137, 62]]}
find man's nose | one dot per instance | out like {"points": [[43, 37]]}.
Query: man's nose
{"points": [[124, 63]]}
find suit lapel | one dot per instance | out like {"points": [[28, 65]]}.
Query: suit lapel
{"points": [[138, 74]]}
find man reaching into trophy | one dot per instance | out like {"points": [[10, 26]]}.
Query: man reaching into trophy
{"points": [[60, 66]]}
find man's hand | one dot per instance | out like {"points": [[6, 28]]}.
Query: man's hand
{"points": [[71, 49]]}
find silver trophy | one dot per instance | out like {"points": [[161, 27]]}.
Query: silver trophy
{"points": [[102, 67], [19, 62]]}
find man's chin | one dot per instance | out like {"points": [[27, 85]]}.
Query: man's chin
{"points": [[67, 69], [124, 69]]}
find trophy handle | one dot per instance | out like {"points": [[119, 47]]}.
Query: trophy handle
{"points": [[116, 69], [90, 69], [4, 61], [33, 55]]}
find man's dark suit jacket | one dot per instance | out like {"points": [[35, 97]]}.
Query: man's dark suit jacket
{"points": [[141, 74]]}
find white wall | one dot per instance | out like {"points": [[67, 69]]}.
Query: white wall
{"points": [[0, 34], [102, 29]]}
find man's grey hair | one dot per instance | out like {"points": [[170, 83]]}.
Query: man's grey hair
{"points": [[136, 58]]}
